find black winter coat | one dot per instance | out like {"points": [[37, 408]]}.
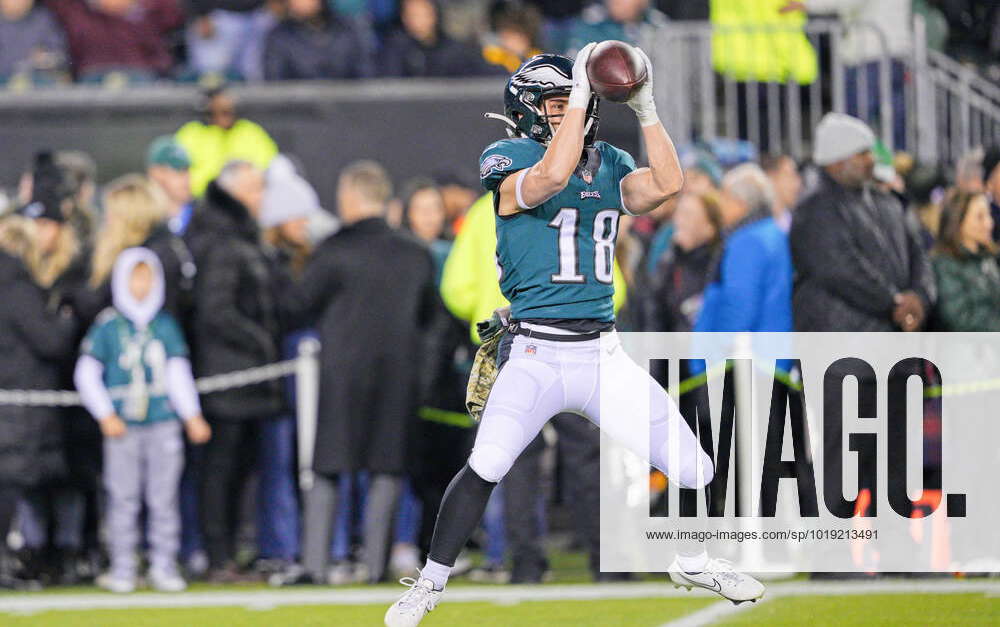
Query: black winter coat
{"points": [[851, 256], [372, 291], [334, 49], [677, 289], [402, 55], [445, 351], [179, 271], [81, 437], [32, 342], [235, 323]]}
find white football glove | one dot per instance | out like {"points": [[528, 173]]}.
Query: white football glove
{"points": [[642, 100], [579, 96]]}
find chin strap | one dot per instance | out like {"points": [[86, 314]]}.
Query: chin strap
{"points": [[511, 126]]}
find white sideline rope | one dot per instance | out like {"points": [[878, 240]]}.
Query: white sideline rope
{"points": [[205, 385], [243, 378]]}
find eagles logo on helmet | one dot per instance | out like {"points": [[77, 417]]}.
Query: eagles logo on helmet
{"points": [[541, 77]]}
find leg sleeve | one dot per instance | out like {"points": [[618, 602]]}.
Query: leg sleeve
{"points": [[461, 509], [525, 395]]}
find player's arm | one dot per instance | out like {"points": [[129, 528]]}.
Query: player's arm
{"points": [[647, 188], [528, 188]]}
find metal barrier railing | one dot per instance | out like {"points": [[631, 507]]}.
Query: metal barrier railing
{"points": [[923, 102], [964, 106], [778, 116]]}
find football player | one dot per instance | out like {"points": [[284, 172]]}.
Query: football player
{"points": [[558, 195]]}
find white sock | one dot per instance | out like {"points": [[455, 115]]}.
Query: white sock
{"points": [[693, 563], [437, 573]]}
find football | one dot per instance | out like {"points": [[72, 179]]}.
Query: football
{"points": [[616, 70]]}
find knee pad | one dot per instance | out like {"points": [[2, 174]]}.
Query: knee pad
{"points": [[491, 462]]}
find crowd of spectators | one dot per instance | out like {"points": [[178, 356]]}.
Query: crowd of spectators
{"points": [[117, 42]]}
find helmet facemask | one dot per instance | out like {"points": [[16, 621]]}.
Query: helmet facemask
{"points": [[540, 78], [548, 118]]}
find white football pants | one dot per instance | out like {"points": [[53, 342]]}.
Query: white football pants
{"points": [[542, 378]]}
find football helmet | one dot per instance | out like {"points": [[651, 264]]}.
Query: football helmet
{"points": [[540, 77]]}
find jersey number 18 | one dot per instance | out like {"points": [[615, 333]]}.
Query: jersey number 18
{"points": [[567, 221]]}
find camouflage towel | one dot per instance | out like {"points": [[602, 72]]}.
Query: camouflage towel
{"points": [[484, 368]]}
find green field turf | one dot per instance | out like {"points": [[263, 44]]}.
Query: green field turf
{"points": [[904, 609], [625, 613], [814, 611], [873, 610]]}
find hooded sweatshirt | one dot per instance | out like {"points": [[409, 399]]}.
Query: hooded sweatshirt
{"points": [[134, 361]]}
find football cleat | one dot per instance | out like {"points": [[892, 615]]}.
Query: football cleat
{"points": [[720, 577], [415, 603]]}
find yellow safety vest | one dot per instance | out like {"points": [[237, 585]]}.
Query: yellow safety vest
{"points": [[212, 147], [752, 41]]}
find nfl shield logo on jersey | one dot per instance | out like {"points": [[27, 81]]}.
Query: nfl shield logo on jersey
{"points": [[530, 349]]}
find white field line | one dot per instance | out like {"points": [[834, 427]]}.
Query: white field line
{"points": [[27, 603], [722, 609], [713, 613], [259, 599]]}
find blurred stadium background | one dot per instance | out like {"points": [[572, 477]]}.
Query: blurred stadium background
{"points": [[405, 84]]}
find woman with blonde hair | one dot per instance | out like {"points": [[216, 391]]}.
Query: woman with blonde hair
{"points": [[57, 266], [55, 257], [135, 214], [35, 339]]}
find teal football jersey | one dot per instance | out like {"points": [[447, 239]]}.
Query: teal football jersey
{"points": [[135, 363], [556, 261]]}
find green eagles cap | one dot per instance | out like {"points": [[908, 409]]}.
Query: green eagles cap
{"points": [[166, 151], [885, 171]]}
